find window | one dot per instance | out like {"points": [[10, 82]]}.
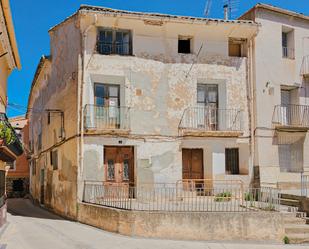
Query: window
{"points": [[40, 141], [54, 159], [291, 157], [48, 118], [12, 165], [232, 161], [207, 95], [287, 43], [112, 41], [107, 95], [33, 167], [236, 47], [110, 170], [184, 45]]}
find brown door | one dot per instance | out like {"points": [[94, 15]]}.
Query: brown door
{"points": [[192, 160], [119, 165]]}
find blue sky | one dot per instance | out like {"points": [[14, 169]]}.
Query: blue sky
{"points": [[33, 18]]}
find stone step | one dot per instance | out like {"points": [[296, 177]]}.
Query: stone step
{"points": [[292, 197], [294, 220], [298, 238], [289, 202], [297, 229]]}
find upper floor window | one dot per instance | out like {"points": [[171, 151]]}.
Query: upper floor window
{"points": [[107, 95], [236, 47], [112, 41], [288, 43], [207, 95], [184, 45]]}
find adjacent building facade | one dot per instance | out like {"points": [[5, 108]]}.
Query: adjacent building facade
{"points": [[129, 98], [281, 97], [10, 146], [17, 179]]}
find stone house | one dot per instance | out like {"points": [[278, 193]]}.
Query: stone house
{"points": [[17, 179], [10, 147], [128, 98], [281, 97]]}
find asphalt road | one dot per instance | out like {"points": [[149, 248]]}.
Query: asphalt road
{"points": [[30, 227]]}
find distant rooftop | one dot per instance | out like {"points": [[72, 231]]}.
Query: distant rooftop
{"points": [[276, 9]]}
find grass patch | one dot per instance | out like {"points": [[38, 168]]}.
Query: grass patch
{"points": [[224, 196]]}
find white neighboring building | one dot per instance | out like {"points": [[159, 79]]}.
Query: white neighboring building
{"points": [[281, 97]]}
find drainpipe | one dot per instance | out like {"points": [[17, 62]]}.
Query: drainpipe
{"points": [[81, 106], [251, 97]]}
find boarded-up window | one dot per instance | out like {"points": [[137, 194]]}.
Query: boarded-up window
{"points": [[235, 47], [54, 159], [232, 161]]}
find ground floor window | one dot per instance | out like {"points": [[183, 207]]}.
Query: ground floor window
{"points": [[291, 157], [232, 161]]}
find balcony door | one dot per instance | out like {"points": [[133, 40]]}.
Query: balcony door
{"points": [[207, 106], [285, 103], [107, 105]]}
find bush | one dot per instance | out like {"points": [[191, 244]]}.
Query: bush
{"points": [[6, 133], [286, 240], [249, 197], [224, 196]]}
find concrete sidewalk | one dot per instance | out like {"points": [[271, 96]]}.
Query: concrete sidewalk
{"points": [[30, 227]]}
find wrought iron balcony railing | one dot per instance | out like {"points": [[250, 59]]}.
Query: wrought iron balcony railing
{"points": [[294, 116], [211, 119], [114, 48], [106, 118], [288, 53]]}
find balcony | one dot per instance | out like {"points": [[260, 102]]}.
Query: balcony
{"points": [[305, 66], [108, 119], [288, 53], [108, 48], [291, 117], [9, 150], [207, 121]]}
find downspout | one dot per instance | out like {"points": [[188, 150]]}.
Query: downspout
{"points": [[251, 99], [81, 106]]}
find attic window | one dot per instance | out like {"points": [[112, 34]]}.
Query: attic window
{"points": [[184, 45], [236, 47]]}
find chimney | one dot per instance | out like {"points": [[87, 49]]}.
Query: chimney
{"points": [[226, 12]]}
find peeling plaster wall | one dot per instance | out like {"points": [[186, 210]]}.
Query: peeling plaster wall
{"points": [[156, 86], [56, 88]]}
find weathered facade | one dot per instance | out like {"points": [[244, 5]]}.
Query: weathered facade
{"points": [[10, 147], [281, 97], [132, 98]]}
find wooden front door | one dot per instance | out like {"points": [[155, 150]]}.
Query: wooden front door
{"points": [[119, 165], [192, 164]]}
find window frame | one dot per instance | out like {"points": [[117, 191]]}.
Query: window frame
{"points": [[229, 169], [114, 40]]}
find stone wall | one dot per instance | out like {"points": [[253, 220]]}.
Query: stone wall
{"points": [[186, 226]]}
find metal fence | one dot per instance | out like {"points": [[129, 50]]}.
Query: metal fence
{"points": [[291, 115], [101, 117], [172, 198], [211, 119]]}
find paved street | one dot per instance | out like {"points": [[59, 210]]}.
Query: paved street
{"points": [[30, 227]]}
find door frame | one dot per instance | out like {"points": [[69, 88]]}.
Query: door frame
{"points": [[203, 170], [132, 184]]}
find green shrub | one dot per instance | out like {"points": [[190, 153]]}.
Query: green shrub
{"points": [[249, 197], [286, 240], [6, 133], [224, 196]]}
